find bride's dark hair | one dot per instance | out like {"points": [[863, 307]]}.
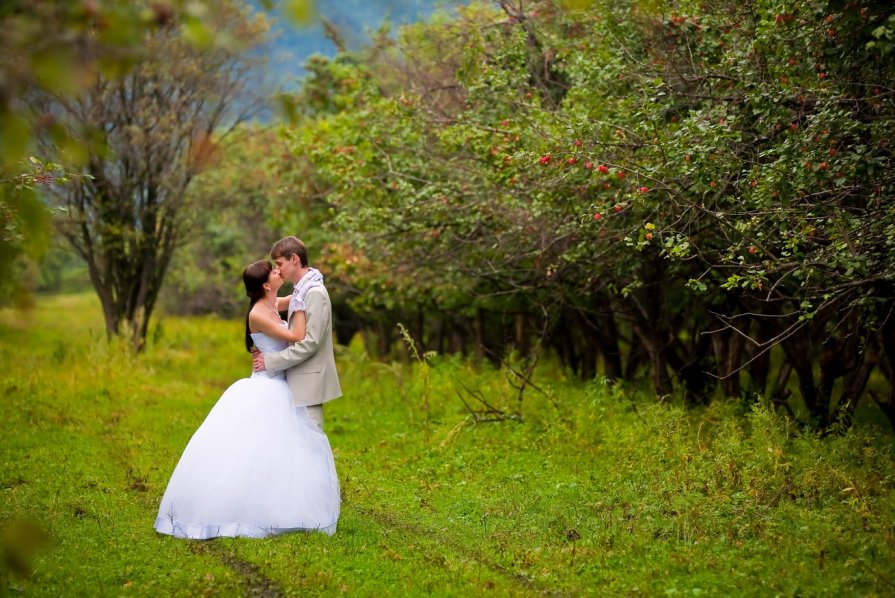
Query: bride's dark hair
{"points": [[254, 277]]}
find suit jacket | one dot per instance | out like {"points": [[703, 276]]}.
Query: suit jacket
{"points": [[310, 364]]}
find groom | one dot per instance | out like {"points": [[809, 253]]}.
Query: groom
{"points": [[310, 364]]}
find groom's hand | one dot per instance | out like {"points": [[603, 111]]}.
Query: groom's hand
{"points": [[257, 361]]}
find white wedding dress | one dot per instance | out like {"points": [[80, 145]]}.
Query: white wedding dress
{"points": [[257, 466]]}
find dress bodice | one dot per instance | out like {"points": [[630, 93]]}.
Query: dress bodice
{"points": [[267, 344]]}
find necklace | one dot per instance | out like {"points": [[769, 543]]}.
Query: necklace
{"points": [[270, 307]]}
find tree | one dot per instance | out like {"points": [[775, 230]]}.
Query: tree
{"points": [[230, 222], [676, 188], [149, 132], [24, 232], [60, 47]]}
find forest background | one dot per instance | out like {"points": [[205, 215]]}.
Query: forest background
{"points": [[688, 201]]}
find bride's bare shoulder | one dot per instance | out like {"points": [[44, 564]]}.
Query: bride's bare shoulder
{"points": [[261, 320]]}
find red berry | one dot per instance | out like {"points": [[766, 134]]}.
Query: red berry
{"points": [[752, 249], [644, 189], [603, 168], [823, 165], [572, 160], [597, 216], [589, 165], [620, 174], [545, 159], [712, 184], [648, 236], [578, 143], [821, 75], [618, 208]]}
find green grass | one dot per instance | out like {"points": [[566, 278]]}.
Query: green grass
{"points": [[594, 492]]}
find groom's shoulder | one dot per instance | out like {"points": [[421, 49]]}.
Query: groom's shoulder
{"points": [[318, 290]]}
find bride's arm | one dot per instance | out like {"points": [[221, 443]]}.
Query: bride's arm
{"points": [[298, 326], [319, 319], [259, 322], [283, 303]]}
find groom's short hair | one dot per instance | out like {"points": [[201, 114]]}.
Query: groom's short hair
{"points": [[286, 246]]}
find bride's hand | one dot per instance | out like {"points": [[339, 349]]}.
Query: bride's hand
{"points": [[258, 361]]}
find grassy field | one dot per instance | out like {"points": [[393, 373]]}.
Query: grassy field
{"points": [[593, 492]]}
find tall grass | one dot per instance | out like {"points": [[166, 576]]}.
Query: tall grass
{"points": [[594, 491]]}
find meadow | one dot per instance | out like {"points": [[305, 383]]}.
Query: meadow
{"points": [[595, 490]]}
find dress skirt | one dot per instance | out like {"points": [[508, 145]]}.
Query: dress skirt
{"points": [[257, 466]]}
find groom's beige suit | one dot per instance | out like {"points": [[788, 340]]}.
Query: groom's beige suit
{"points": [[310, 364]]}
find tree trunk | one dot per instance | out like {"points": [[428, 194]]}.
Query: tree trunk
{"points": [[852, 388], [521, 334], [609, 347], [479, 328], [760, 366], [590, 353], [887, 364], [887, 406], [653, 347], [730, 382], [798, 349]]}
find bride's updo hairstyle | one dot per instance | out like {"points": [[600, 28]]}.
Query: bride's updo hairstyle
{"points": [[254, 277]]}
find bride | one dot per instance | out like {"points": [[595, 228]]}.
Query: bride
{"points": [[257, 465]]}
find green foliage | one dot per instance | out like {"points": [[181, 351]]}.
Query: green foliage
{"points": [[299, 11], [230, 205], [26, 232], [61, 270], [67, 50], [61, 47], [674, 177], [151, 131], [594, 491]]}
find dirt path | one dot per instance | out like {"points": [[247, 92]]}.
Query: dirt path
{"points": [[256, 583]]}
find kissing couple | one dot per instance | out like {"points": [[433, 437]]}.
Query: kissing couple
{"points": [[260, 464]]}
